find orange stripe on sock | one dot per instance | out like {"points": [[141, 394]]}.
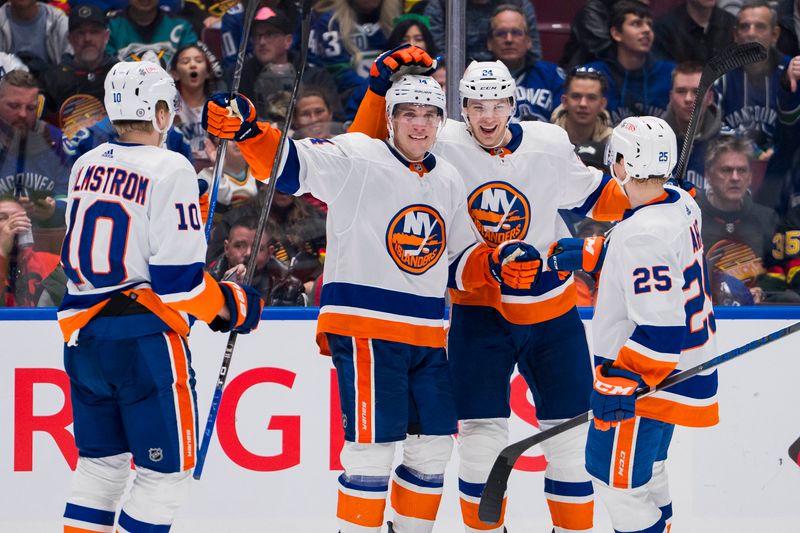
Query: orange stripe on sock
{"points": [[184, 405], [469, 512], [73, 529], [572, 516], [360, 511], [623, 454], [364, 400], [414, 504]]}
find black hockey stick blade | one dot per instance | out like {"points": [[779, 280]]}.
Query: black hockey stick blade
{"points": [[733, 57], [794, 451], [492, 497]]}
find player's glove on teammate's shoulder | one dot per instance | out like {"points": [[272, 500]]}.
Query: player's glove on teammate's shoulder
{"points": [[230, 118], [515, 264], [687, 186], [613, 399], [245, 306], [577, 254], [405, 59]]}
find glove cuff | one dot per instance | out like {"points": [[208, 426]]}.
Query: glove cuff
{"points": [[613, 381]]}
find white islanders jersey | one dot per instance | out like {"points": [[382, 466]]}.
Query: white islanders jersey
{"points": [[515, 192], [654, 313], [134, 225]]}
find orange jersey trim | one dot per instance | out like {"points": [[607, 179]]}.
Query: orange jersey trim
{"points": [[71, 324], [370, 118], [73, 529], [527, 313], [679, 414], [376, 328], [612, 204], [259, 152], [652, 371]]}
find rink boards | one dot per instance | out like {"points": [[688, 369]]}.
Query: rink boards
{"points": [[273, 462]]}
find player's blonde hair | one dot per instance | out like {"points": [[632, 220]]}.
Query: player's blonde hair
{"points": [[145, 126]]}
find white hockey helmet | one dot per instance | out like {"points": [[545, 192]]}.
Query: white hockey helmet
{"points": [[132, 90], [414, 89], [647, 145], [487, 80]]}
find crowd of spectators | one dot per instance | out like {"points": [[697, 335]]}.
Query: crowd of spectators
{"points": [[619, 60]]}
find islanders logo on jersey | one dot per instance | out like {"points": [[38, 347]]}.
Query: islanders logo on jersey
{"points": [[416, 238], [500, 212]]}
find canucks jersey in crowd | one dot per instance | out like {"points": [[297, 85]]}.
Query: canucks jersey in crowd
{"points": [[644, 91], [103, 131], [759, 107], [540, 85], [327, 49], [164, 36]]}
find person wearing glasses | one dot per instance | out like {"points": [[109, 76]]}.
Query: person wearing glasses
{"points": [[738, 233], [539, 83], [517, 177], [637, 83], [583, 115]]}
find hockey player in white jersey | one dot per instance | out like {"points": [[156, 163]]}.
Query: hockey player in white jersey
{"points": [[134, 256], [398, 234], [653, 318], [517, 177]]}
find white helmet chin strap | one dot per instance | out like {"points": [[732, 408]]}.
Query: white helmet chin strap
{"points": [[465, 116], [620, 182]]}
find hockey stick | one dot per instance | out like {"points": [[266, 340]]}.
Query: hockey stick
{"points": [[733, 57], [222, 150], [262, 224], [794, 451], [497, 483]]}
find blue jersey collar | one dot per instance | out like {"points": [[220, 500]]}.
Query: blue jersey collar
{"points": [[419, 167]]}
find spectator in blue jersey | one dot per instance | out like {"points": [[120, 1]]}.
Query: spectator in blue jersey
{"points": [[103, 131], [33, 166], [685, 80], [638, 84], [695, 30], [347, 36], [759, 99], [272, 68], [582, 114], [477, 28], [143, 27], [539, 83], [35, 32], [233, 21]]}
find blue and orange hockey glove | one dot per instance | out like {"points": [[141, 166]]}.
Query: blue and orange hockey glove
{"points": [[570, 255], [515, 264], [230, 119], [406, 59], [613, 399], [244, 304]]}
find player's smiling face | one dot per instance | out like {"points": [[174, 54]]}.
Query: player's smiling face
{"points": [[488, 119], [415, 128]]}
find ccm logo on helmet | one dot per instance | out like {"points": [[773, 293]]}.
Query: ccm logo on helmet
{"points": [[500, 212], [416, 238]]}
